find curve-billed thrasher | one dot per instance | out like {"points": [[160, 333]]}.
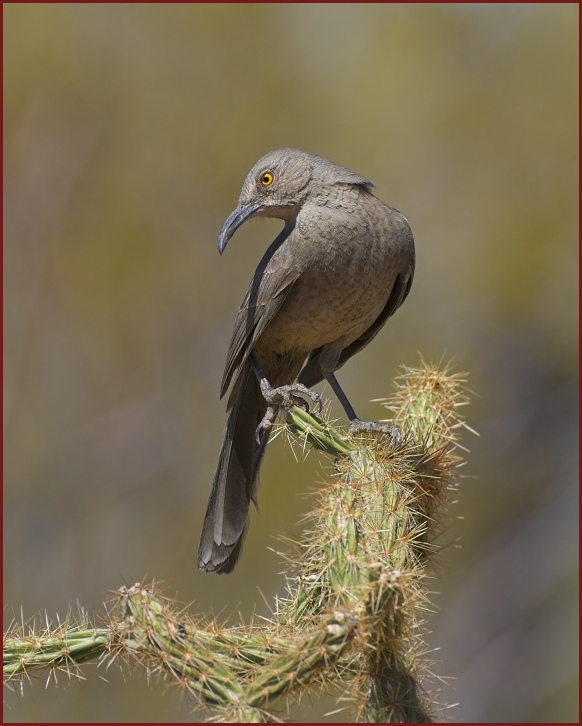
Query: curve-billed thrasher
{"points": [[342, 264]]}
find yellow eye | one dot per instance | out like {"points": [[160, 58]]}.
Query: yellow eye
{"points": [[267, 179]]}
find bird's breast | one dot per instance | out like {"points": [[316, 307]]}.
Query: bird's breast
{"points": [[347, 263], [330, 300]]}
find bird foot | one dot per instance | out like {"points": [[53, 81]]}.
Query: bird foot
{"points": [[284, 397], [373, 426]]}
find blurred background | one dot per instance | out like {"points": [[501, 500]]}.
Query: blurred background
{"points": [[128, 131]]}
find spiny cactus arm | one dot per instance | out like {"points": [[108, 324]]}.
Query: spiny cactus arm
{"points": [[313, 430], [355, 604], [239, 672], [373, 533], [61, 649]]}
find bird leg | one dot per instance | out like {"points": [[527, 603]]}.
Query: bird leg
{"points": [[356, 424], [282, 397]]}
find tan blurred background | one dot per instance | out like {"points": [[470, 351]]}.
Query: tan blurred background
{"points": [[129, 129]]}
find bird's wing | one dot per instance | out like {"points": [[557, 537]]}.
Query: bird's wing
{"points": [[311, 373], [269, 287]]}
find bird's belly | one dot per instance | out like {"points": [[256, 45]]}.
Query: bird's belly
{"points": [[316, 315]]}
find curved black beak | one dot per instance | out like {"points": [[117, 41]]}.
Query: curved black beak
{"points": [[234, 221]]}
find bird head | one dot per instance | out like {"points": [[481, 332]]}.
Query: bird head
{"points": [[280, 183]]}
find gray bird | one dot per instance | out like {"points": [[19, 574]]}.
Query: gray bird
{"points": [[341, 266]]}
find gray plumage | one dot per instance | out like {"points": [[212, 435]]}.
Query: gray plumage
{"points": [[341, 266]]}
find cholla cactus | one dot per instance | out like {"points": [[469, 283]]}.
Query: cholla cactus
{"points": [[357, 588]]}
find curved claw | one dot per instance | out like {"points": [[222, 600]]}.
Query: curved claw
{"points": [[290, 395], [318, 400], [373, 426], [266, 423], [313, 395]]}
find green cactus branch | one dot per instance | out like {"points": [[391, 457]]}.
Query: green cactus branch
{"points": [[357, 590]]}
